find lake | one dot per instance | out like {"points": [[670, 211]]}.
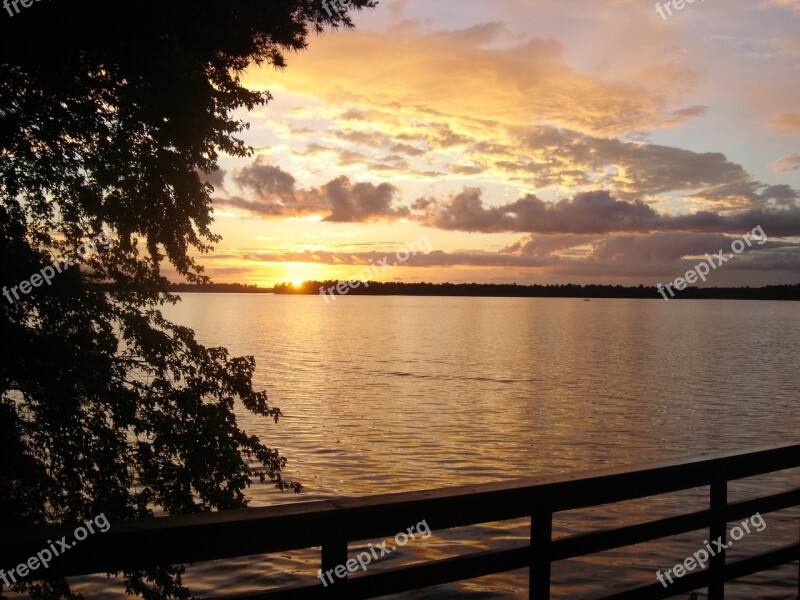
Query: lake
{"points": [[388, 394]]}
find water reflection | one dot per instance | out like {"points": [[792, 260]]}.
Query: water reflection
{"points": [[401, 393]]}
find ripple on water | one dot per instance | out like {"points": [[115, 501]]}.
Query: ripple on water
{"points": [[397, 394]]}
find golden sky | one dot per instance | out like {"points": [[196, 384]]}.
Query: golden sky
{"points": [[529, 141]]}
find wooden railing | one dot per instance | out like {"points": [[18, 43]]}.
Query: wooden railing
{"points": [[333, 524]]}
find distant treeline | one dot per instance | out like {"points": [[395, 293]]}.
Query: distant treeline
{"points": [[510, 290], [770, 292], [219, 288]]}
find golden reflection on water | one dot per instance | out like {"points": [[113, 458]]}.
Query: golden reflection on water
{"points": [[400, 393]]}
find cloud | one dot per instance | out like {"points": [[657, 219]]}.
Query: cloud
{"points": [[435, 258], [349, 157], [786, 164], [788, 121], [560, 157], [314, 149], [691, 111], [472, 37], [344, 157], [407, 149], [548, 245], [464, 74], [546, 158], [266, 180], [655, 248], [660, 247], [372, 138], [360, 201], [391, 163], [467, 169], [590, 212], [215, 178], [794, 4], [273, 193], [595, 212], [640, 258]]}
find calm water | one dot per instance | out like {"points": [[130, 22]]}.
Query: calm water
{"points": [[401, 393]]}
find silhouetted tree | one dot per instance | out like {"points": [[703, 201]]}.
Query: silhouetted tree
{"points": [[110, 115]]}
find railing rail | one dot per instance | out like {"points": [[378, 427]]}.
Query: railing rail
{"points": [[333, 524]]}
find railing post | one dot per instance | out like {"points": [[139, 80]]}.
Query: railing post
{"points": [[541, 536], [718, 531], [334, 553]]}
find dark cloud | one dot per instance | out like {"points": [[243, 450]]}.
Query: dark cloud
{"points": [[407, 149], [423, 203], [270, 191], [661, 247], [691, 111], [547, 245], [313, 149], [442, 136], [265, 207], [595, 212], [372, 138], [776, 222], [589, 212], [215, 178], [401, 166], [266, 180], [467, 169], [349, 157], [360, 201], [273, 193]]}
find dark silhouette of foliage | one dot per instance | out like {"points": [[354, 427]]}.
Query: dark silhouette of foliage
{"points": [[110, 114]]}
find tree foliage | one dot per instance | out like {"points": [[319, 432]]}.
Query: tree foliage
{"points": [[110, 115]]}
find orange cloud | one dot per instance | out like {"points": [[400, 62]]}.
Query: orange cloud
{"points": [[449, 76], [788, 121], [786, 164]]}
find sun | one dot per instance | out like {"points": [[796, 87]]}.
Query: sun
{"points": [[298, 283]]}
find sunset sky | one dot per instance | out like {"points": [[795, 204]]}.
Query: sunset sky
{"points": [[531, 141]]}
